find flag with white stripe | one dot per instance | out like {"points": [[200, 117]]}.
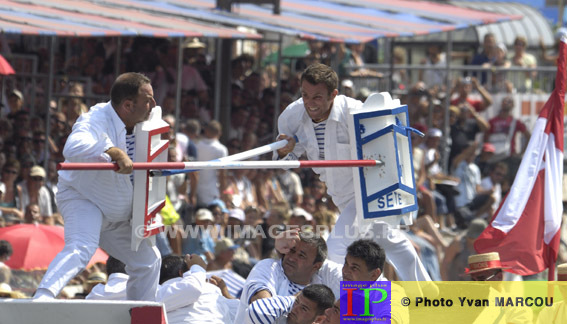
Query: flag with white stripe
{"points": [[525, 229]]}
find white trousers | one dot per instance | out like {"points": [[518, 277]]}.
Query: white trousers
{"points": [[400, 253], [85, 227]]}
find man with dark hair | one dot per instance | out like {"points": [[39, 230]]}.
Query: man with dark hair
{"points": [[115, 287], [186, 294], [319, 120], [333, 314], [308, 307], [97, 205], [364, 261], [302, 264]]}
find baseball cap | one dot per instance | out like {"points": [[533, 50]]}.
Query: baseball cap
{"points": [[347, 83], [488, 147], [434, 132], [560, 32], [224, 244], [237, 213], [17, 93], [37, 171], [219, 203], [204, 214], [420, 127]]}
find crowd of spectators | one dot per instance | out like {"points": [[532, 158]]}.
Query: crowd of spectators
{"points": [[455, 201]]}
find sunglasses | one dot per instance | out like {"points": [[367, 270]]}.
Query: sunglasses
{"points": [[11, 171], [37, 178]]}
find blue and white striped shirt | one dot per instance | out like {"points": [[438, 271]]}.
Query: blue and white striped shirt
{"points": [[130, 150], [320, 135], [271, 310]]}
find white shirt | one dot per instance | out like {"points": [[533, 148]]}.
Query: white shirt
{"points": [[114, 289], [469, 173], [294, 121], [268, 274], [207, 188], [44, 199], [93, 134], [190, 299], [487, 184]]}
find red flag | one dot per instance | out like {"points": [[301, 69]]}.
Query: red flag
{"points": [[525, 229]]}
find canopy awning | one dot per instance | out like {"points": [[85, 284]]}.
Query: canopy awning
{"points": [[349, 21], [85, 18]]}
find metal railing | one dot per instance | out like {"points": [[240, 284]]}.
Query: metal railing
{"points": [[543, 82]]}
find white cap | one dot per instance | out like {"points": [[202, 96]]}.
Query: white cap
{"points": [[204, 214], [434, 132], [347, 83], [560, 32], [298, 211], [237, 213]]}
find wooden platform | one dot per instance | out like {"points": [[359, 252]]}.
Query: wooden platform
{"points": [[61, 311]]}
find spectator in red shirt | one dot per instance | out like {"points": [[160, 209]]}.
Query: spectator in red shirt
{"points": [[503, 131], [464, 88]]}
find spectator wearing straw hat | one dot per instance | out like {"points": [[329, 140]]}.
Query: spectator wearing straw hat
{"points": [[558, 312], [488, 267], [485, 267], [224, 254], [6, 291], [93, 279]]}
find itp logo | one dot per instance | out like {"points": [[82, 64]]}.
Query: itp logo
{"points": [[366, 301]]}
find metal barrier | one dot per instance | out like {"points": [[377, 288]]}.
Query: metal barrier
{"points": [[543, 82]]}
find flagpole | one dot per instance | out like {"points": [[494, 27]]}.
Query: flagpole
{"points": [[560, 92]]}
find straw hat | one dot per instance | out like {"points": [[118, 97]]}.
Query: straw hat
{"points": [[97, 277], [483, 262], [225, 244], [204, 214], [562, 272], [6, 290], [194, 43]]}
